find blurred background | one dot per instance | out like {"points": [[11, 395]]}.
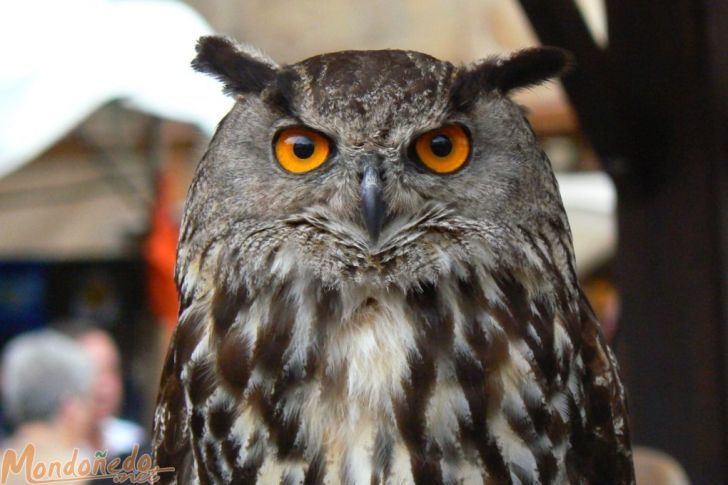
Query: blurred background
{"points": [[102, 123]]}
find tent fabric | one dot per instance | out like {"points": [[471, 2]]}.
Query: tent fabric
{"points": [[63, 60], [60, 208]]}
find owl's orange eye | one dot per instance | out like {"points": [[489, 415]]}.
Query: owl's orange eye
{"points": [[443, 150], [300, 150]]}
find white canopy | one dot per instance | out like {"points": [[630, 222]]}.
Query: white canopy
{"points": [[62, 60], [590, 199]]}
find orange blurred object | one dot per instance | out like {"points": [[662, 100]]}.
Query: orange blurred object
{"points": [[160, 252]]}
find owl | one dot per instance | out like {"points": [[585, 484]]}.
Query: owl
{"points": [[377, 285]]}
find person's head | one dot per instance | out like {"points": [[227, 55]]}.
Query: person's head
{"points": [[48, 378], [98, 344], [108, 386]]}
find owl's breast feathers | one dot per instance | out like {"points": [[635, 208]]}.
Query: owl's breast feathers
{"points": [[484, 375]]}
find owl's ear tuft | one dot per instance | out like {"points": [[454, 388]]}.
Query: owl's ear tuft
{"points": [[525, 68], [241, 69]]}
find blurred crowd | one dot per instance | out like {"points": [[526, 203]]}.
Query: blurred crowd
{"points": [[61, 393]]}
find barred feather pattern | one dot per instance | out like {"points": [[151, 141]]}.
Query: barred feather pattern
{"points": [[483, 364]]}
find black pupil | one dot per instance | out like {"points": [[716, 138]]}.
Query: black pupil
{"points": [[303, 147], [441, 145]]}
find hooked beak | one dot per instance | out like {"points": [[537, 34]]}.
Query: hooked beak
{"points": [[372, 200]]}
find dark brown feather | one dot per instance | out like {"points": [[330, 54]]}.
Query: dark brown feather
{"points": [[239, 72]]}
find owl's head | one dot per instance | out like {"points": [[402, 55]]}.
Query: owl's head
{"points": [[367, 164]]}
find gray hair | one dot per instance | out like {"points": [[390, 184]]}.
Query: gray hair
{"points": [[39, 371]]}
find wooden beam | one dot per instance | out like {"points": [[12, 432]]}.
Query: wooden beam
{"points": [[590, 85], [718, 31], [664, 117], [670, 234]]}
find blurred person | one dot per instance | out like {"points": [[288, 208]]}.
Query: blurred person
{"points": [[108, 432], [47, 382]]}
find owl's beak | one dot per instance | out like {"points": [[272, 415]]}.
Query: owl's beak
{"points": [[372, 200]]}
